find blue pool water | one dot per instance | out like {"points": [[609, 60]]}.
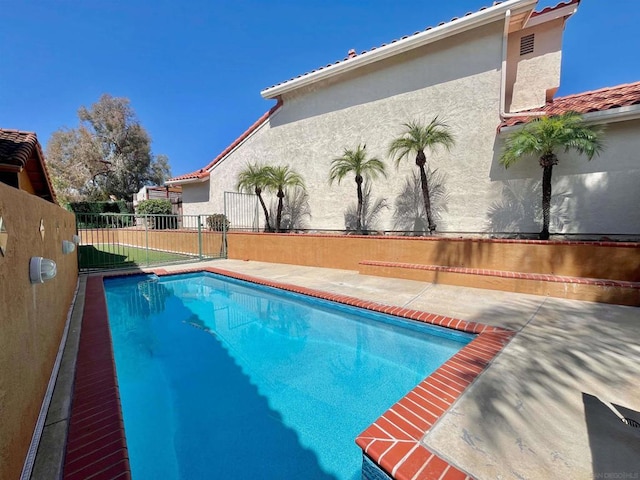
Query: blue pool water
{"points": [[225, 379]]}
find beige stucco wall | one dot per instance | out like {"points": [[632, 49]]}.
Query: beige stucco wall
{"points": [[531, 76], [457, 79], [195, 198], [32, 317], [598, 196]]}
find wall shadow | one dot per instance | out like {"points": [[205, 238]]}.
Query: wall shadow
{"points": [[404, 73]]}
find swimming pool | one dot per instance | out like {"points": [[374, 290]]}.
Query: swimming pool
{"points": [[224, 378]]}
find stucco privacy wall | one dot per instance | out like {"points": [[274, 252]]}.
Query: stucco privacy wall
{"points": [[457, 79], [32, 317], [180, 241], [598, 196], [577, 259]]}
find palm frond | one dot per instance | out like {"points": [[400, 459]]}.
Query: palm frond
{"points": [[356, 162], [417, 137], [545, 135]]}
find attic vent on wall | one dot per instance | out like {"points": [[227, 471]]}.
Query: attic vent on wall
{"points": [[526, 44]]}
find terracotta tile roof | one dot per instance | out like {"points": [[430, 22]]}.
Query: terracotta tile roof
{"points": [[586, 102], [22, 150], [353, 54], [204, 172], [557, 7]]}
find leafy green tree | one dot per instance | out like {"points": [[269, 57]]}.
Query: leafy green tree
{"points": [[279, 179], [109, 154], [541, 138], [254, 178], [417, 138], [356, 162]]}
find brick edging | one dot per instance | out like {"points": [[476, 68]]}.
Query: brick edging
{"points": [[96, 442], [507, 274]]}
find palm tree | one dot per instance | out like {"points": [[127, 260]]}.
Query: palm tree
{"points": [[416, 139], [279, 179], [254, 178], [542, 137], [356, 161]]}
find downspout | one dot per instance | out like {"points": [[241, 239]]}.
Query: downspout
{"points": [[503, 81]]}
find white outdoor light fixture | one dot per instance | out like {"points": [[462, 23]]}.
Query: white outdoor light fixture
{"points": [[68, 247], [41, 269], [76, 239]]}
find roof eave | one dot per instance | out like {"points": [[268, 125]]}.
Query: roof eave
{"points": [[602, 117], [435, 34], [184, 181], [562, 12]]}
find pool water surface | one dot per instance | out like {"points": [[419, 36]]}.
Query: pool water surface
{"points": [[221, 378]]}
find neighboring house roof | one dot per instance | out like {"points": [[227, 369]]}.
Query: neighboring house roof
{"points": [[202, 174], [600, 100], [521, 14], [21, 150]]}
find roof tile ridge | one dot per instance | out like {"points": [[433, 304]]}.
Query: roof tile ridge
{"points": [[15, 130]]}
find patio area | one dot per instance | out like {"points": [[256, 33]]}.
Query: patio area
{"points": [[538, 410]]}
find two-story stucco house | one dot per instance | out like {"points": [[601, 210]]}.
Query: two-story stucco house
{"points": [[482, 74]]}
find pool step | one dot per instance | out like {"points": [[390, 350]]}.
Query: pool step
{"points": [[576, 288]]}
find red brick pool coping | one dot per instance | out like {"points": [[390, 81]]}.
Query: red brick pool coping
{"points": [[96, 444]]}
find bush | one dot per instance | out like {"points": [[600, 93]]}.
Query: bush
{"points": [[158, 207], [154, 207], [218, 222]]}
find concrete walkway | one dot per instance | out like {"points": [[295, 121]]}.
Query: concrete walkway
{"points": [[540, 410]]}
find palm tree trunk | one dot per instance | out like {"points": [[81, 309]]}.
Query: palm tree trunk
{"points": [[359, 213], [546, 200], [267, 226], [427, 200], [279, 215]]}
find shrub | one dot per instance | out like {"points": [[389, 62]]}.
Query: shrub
{"points": [[218, 222], [154, 207], [158, 207]]}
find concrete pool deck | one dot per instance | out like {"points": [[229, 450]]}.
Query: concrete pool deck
{"points": [[539, 410]]}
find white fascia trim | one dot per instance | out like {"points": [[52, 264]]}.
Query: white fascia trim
{"points": [[552, 15], [185, 181], [440, 32], [621, 114]]}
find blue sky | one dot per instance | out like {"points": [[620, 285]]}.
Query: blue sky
{"points": [[193, 70]]}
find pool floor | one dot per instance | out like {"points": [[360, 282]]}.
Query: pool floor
{"points": [[210, 368]]}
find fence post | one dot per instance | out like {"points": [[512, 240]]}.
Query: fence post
{"points": [[146, 238], [199, 238]]}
